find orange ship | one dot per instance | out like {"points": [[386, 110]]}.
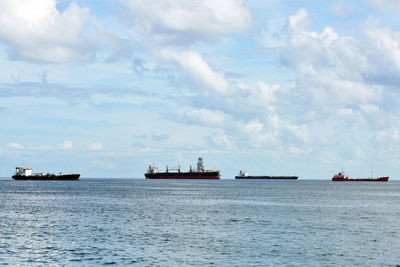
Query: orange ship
{"points": [[341, 177]]}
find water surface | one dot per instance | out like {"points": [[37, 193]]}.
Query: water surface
{"points": [[227, 222]]}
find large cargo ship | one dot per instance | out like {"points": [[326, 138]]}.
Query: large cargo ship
{"points": [[199, 173], [341, 177], [245, 175], [22, 173]]}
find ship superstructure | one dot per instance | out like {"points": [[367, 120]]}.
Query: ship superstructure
{"points": [[176, 173]]}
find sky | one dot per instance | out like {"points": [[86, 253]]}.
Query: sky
{"points": [[278, 87]]}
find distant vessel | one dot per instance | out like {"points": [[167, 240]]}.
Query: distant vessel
{"points": [[199, 173], [22, 173], [341, 177], [245, 175]]}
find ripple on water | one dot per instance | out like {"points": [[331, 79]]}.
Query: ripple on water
{"points": [[123, 222]]}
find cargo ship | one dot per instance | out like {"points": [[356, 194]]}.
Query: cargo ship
{"points": [[199, 173], [22, 173], [245, 175], [341, 177]]}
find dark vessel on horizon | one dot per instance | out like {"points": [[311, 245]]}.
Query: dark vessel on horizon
{"points": [[245, 175], [22, 173], [199, 173]]}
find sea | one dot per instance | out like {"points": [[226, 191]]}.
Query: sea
{"points": [[138, 222]]}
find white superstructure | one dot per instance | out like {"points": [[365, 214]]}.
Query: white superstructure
{"points": [[200, 165], [243, 174], [152, 169], [23, 171]]}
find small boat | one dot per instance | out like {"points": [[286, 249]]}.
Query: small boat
{"points": [[341, 177]]}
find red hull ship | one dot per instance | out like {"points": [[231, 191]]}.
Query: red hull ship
{"points": [[340, 177], [200, 173]]}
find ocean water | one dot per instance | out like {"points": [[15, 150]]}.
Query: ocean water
{"points": [[199, 223]]}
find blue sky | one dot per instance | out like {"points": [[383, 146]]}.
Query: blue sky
{"points": [[272, 87]]}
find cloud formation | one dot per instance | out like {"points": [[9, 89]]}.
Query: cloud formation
{"points": [[15, 145], [205, 117], [390, 5], [66, 145], [183, 20], [37, 31], [338, 69], [95, 146], [199, 70]]}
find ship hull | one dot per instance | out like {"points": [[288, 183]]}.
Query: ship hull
{"points": [[63, 177], [184, 175], [268, 177], [343, 179]]}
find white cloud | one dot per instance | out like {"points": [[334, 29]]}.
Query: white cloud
{"points": [[299, 151], [369, 108], [344, 8], [223, 141], [206, 117], [103, 164], [254, 127], [66, 145], [96, 146], [396, 135], [299, 131], [167, 29], [44, 147], [339, 69], [248, 117], [266, 92], [359, 153], [391, 5], [298, 20], [261, 95], [15, 145], [257, 135], [388, 137], [384, 49], [345, 112], [169, 20], [37, 31], [199, 70]]}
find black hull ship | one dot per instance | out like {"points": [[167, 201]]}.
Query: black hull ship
{"points": [[199, 173], [22, 173], [244, 175]]}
